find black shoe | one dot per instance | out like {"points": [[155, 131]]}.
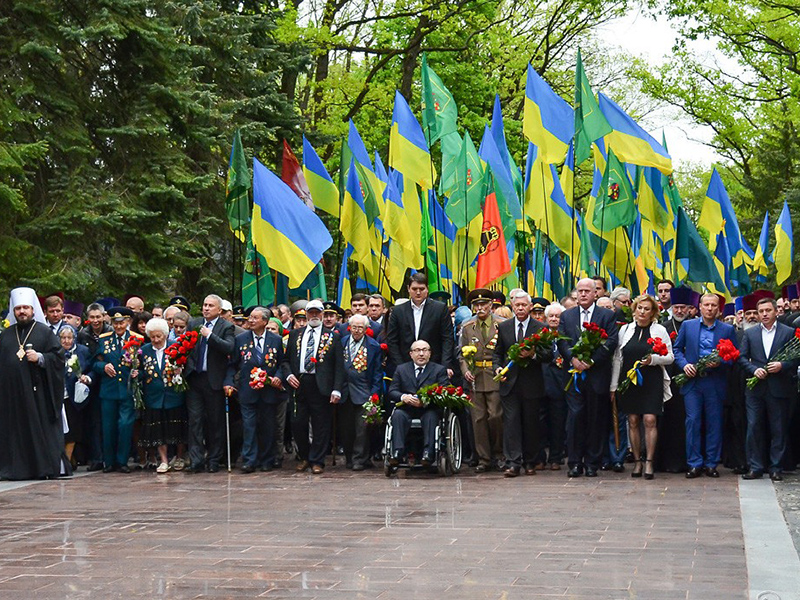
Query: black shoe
{"points": [[124, 469], [348, 464], [605, 467], [694, 472], [265, 468], [775, 476], [108, 469], [575, 471], [213, 468], [618, 467], [248, 469], [712, 473], [739, 470], [95, 467], [200, 469], [427, 459], [591, 471], [359, 467], [394, 460], [481, 469], [637, 469], [752, 475], [277, 463], [511, 472], [651, 475]]}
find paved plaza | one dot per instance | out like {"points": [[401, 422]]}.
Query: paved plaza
{"points": [[360, 535]]}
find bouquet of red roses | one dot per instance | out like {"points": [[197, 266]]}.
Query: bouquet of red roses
{"points": [[791, 351], [634, 375], [373, 413], [443, 396], [538, 343], [176, 356], [258, 378], [592, 337], [725, 351], [130, 358]]}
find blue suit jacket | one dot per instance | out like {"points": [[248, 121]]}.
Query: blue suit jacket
{"points": [[360, 386], [245, 357], [687, 349], [156, 393], [752, 357]]}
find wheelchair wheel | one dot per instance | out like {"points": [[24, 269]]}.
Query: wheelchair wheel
{"points": [[441, 456], [388, 469], [453, 444]]}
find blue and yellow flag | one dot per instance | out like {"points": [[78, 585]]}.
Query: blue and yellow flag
{"points": [[324, 191], [548, 120], [783, 253], [408, 149], [353, 224], [630, 142], [344, 291], [761, 259], [288, 233]]}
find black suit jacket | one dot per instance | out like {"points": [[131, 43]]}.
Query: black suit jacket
{"points": [[436, 328], [220, 346], [405, 380], [245, 358], [329, 369], [599, 375], [752, 357], [531, 375]]}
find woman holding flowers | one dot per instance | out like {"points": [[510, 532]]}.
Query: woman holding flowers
{"points": [[77, 360], [639, 380], [163, 422]]}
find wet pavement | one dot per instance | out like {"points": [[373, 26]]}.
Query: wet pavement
{"points": [[361, 535]]}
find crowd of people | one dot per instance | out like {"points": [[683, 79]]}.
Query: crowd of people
{"points": [[678, 382]]}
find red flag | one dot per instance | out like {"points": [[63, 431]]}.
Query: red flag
{"points": [[292, 175], [493, 256]]}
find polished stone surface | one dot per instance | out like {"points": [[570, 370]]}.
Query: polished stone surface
{"points": [[359, 535]]}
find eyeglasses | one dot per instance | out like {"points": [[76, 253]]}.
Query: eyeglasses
{"points": [[420, 349]]}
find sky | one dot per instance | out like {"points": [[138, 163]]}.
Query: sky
{"points": [[652, 40]]}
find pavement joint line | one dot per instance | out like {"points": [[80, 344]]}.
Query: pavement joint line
{"points": [[772, 561]]}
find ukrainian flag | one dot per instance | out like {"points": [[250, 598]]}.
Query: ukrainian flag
{"points": [[395, 223], [784, 246], [324, 191], [284, 230], [408, 149], [354, 218], [548, 120], [761, 259], [630, 142]]}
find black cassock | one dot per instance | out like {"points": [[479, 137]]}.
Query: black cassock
{"points": [[31, 430]]}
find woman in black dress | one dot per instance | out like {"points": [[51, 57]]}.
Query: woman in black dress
{"points": [[643, 401]]}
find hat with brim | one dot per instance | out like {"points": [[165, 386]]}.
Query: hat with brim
{"points": [[479, 295], [540, 303], [180, 302], [315, 305], [120, 313]]}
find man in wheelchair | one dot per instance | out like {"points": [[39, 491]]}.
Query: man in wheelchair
{"points": [[408, 379]]}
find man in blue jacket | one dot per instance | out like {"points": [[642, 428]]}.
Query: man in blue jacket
{"points": [[362, 363], [703, 396]]}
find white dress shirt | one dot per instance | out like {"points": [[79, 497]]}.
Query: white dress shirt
{"points": [[767, 337], [160, 356], [517, 323], [317, 335], [586, 314], [417, 312]]}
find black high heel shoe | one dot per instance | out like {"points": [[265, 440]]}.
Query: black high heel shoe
{"points": [[650, 475], [637, 468]]}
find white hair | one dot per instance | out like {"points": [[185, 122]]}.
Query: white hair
{"points": [[359, 317], [524, 294], [156, 324], [618, 292], [551, 308]]}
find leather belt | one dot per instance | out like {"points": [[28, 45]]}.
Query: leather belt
{"points": [[484, 364]]}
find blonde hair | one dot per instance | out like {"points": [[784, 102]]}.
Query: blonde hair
{"points": [[504, 311], [651, 300]]}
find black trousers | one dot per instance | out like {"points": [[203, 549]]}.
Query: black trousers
{"points": [[587, 426], [521, 425], [206, 408], [312, 407], [767, 419]]}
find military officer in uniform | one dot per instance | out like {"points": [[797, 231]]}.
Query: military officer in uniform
{"points": [[487, 412], [116, 402]]}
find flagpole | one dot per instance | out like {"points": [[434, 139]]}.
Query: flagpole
{"points": [[258, 276], [547, 227], [465, 261], [573, 270]]}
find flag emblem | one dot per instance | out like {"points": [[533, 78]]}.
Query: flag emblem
{"points": [[489, 239]]}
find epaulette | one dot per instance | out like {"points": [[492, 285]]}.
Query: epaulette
{"points": [[106, 334], [138, 335]]}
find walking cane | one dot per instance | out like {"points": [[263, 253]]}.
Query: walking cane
{"points": [[333, 462], [615, 419], [228, 428]]}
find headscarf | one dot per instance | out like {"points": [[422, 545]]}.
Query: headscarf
{"points": [[278, 323], [462, 314], [25, 296]]}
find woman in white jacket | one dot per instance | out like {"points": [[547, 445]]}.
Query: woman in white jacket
{"points": [[644, 399]]}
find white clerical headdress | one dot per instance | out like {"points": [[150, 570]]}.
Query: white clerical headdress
{"points": [[24, 296]]}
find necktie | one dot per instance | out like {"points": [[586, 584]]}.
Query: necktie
{"points": [[309, 366], [53, 328], [585, 317], [419, 372], [259, 347], [520, 333], [201, 353]]}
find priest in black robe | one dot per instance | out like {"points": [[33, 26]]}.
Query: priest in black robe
{"points": [[31, 394]]}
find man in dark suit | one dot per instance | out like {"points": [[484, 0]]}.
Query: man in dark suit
{"points": [[521, 389], [768, 402], [703, 396], [363, 360], [261, 349], [421, 319], [588, 398], [316, 365], [205, 372], [408, 379]]}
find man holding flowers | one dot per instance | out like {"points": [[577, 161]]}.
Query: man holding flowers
{"points": [[588, 340], [769, 354]]}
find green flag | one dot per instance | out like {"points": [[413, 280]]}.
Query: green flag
{"points": [[439, 110], [615, 204], [470, 185], [345, 158], [237, 205], [428, 249], [257, 287], [689, 245], [590, 123], [668, 184]]}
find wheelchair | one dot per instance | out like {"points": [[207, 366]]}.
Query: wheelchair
{"points": [[447, 443]]}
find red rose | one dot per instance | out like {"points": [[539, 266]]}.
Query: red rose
{"points": [[181, 361], [603, 335], [586, 325], [459, 390], [374, 398], [674, 334], [797, 333], [384, 347], [313, 360], [370, 333]]}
